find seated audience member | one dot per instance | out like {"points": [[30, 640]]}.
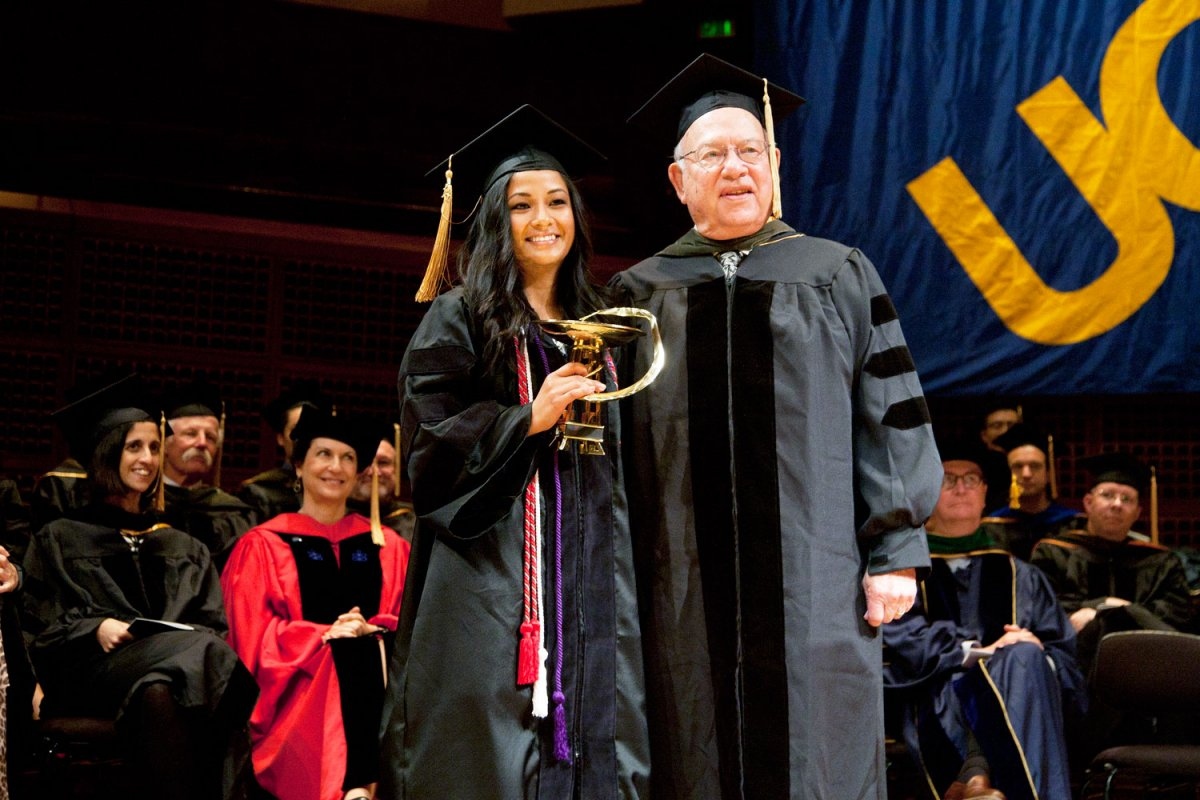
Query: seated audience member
{"points": [[274, 491], [1031, 513], [393, 512], [195, 502], [313, 599], [996, 416], [1106, 578], [181, 697], [983, 664]]}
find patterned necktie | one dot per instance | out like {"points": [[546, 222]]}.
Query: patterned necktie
{"points": [[729, 263]]}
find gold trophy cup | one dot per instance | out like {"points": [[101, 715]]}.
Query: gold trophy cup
{"points": [[588, 340]]}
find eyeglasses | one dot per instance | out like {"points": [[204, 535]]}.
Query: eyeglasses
{"points": [[1109, 496], [709, 156], [969, 481]]}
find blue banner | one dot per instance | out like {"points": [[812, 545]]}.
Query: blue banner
{"points": [[1025, 175]]}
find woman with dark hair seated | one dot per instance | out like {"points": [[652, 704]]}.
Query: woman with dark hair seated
{"points": [[180, 695], [313, 599]]}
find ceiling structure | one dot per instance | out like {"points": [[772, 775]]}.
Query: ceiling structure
{"points": [[331, 112]]}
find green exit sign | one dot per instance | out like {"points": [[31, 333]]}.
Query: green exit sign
{"points": [[716, 29]]}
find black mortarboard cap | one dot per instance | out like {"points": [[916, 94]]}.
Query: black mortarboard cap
{"points": [[87, 420], [361, 433], [198, 398], [706, 84], [960, 448], [1117, 468], [524, 140], [305, 393], [1020, 435]]}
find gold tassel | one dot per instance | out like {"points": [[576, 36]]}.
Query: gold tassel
{"points": [[216, 481], [1154, 505], [769, 124], [1050, 467], [396, 470], [435, 271], [1014, 493], [376, 524], [160, 496]]}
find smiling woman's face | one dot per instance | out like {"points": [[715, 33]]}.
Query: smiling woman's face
{"points": [[329, 471]]}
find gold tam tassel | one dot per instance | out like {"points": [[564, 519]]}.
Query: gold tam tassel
{"points": [[216, 481], [376, 523], [1050, 467], [160, 495], [435, 271], [1154, 505], [396, 470], [769, 124], [1014, 493]]}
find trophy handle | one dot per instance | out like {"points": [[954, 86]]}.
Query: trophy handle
{"points": [[656, 363]]}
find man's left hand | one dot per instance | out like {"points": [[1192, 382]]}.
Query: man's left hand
{"points": [[889, 595]]}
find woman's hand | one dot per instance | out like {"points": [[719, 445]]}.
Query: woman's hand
{"points": [[113, 633], [350, 625], [561, 388], [8, 573]]}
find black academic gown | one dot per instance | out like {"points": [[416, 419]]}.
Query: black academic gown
{"points": [[1015, 701], [61, 492], [271, 493], [80, 572], [783, 452], [1085, 569], [213, 516], [456, 724]]}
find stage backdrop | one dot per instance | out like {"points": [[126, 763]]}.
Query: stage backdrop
{"points": [[1025, 175]]}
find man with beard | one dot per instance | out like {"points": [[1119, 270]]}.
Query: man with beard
{"points": [[191, 455]]}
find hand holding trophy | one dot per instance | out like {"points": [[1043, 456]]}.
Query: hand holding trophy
{"points": [[589, 338]]}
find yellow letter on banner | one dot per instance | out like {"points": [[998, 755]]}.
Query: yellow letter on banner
{"points": [[1122, 170]]}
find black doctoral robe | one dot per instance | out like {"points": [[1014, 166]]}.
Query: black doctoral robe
{"points": [[81, 572], [271, 493], [456, 724], [783, 452]]}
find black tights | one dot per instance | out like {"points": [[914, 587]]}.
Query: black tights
{"points": [[166, 750]]}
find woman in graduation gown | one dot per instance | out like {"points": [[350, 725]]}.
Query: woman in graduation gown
{"points": [[181, 698], [517, 672], [313, 599]]}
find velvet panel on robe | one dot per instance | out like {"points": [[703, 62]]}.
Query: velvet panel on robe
{"points": [[276, 620], [783, 452], [456, 722], [1014, 702], [81, 572]]}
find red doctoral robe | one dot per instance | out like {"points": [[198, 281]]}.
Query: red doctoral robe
{"points": [[299, 744]]}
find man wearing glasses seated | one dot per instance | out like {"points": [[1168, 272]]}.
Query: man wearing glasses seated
{"points": [[982, 668]]}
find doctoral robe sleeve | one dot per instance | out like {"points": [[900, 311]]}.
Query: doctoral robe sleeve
{"points": [[897, 468], [469, 455], [1047, 620], [57, 618], [917, 649]]}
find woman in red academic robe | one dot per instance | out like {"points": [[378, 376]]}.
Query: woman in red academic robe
{"points": [[312, 600]]}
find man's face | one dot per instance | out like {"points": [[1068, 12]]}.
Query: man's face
{"points": [[997, 423], [1111, 510], [191, 449], [284, 437], [1028, 465], [385, 463], [734, 198], [958, 502]]}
